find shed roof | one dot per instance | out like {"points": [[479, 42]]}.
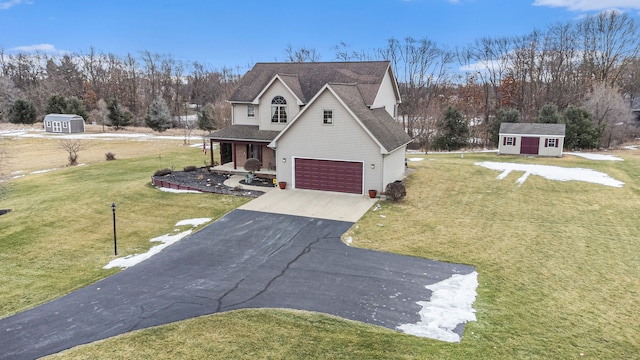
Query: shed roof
{"points": [[62, 117], [306, 79], [532, 129]]}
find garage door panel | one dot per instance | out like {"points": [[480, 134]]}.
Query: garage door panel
{"points": [[328, 175]]}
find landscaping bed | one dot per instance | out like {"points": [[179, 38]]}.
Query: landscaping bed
{"points": [[201, 180]]}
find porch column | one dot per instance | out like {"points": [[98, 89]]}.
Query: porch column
{"points": [[211, 148], [233, 155]]}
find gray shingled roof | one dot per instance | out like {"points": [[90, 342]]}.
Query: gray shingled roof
{"points": [[306, 79], [532, 129], [244, 133], [389, 133]]}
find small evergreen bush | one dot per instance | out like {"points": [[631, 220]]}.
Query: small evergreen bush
{"points": [[162, 172], [395, 191]]}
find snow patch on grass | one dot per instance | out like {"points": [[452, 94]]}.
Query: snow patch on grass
{"points": [[598, 157], [165, 240], [451, 304], [552, 173]]}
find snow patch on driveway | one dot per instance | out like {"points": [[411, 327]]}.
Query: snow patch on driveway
{"points": [[552, 173], [451, 304]]}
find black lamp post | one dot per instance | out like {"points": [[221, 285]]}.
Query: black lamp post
{"points": [[115, 244]]}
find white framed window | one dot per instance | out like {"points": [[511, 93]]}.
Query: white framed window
{"points": [[48, 123], [509, 140], [327, 117], [64, 125], [251, 111], [552, 142], [279, 110]]}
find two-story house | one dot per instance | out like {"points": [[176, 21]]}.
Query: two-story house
{"points": [[321, 125]]}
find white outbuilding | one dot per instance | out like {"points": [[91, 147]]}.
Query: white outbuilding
{"points": [[63, 123], [531, 139]]}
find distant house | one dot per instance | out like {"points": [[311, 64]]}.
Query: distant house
{"points": [[63, 123], [531, 139], [318, 126]]}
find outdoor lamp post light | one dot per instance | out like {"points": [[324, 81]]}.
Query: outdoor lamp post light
{"points": [[115, 244]]}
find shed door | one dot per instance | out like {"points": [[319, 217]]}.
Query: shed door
{"points": [[329, 175], [529, 145]]}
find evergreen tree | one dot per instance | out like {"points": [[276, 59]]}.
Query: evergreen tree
{"points": [[581, 133], [548, 115], [56, 104], [507, 115], [453, 132], [118, 117], [22, 112], [158, 116], [76, 106], [206, 119]]}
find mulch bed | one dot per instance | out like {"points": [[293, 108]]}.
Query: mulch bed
{"points": [[202, 180]]}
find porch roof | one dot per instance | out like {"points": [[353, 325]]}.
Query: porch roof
{"points": [[243, 133]]}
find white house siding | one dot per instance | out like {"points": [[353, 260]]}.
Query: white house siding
{"points": [[509, 149], [240, 115], [393, 166], [277, 88], [386, 96], [550, 151], [345, 140]]}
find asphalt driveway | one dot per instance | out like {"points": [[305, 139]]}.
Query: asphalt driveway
{"points": [[246, 259]]}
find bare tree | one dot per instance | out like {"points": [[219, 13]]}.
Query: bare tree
{"points": [[421, 69], [72, 147], [608, 38], [302, 54], [611, 112]]}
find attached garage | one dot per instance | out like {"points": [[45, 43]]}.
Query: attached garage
{"points": [[328, 175]]}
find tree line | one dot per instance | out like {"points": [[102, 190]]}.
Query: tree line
{"points": [[591, 65]]}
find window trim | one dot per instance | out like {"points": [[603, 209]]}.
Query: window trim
{"points": [[324, 117], [509, 141], [278, 110], [251, 111]]}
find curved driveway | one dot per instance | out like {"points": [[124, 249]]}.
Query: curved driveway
{"points": [[246, 259]]}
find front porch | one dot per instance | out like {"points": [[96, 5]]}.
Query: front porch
{"points": [[229, 168]]}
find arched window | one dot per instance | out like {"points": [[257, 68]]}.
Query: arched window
{"points": [[279, 110]]}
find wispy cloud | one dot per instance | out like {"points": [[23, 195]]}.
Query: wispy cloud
{"points": [[5, 5], [589, 5], [45, 48]]}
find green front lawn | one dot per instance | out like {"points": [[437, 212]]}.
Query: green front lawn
{"points": [[558, 262]]}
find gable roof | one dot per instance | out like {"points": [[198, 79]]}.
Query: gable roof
{"points": [[306, 79], [532, 129], [377, 123]]}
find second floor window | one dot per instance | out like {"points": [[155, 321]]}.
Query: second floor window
{"points": [[327, 117], [278, 110], [251, 111]]}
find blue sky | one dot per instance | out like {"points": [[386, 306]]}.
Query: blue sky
{"points": [[241, 32]]}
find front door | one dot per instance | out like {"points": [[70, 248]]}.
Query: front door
{"points": [[226, 153], [254, 151], [529, 145]]}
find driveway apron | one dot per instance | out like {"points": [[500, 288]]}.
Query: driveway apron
{"points": [[246, 259]]}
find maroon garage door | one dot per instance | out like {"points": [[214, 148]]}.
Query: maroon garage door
{"points": [[328, 175], [529, 145]]}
